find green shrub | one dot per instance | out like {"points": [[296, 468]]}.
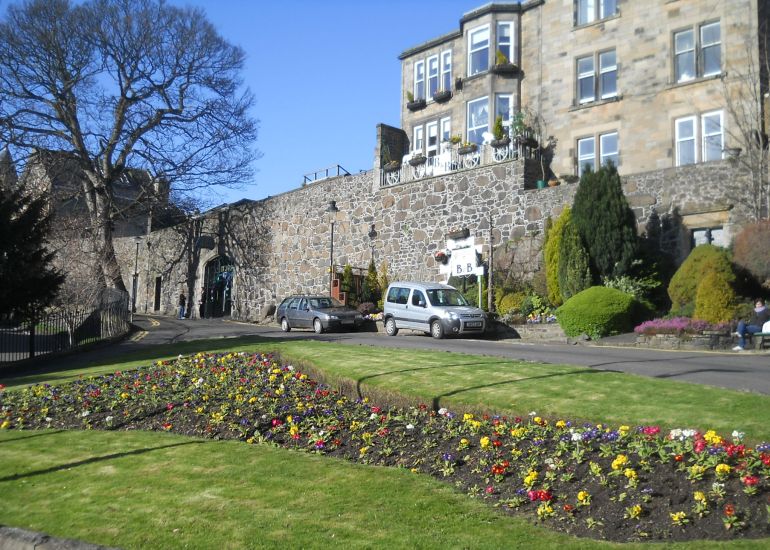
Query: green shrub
{"points": [[574, 272], [751, 250], [552, 258], [511, 303], [714, 301], [598, 311], [702, 260]]}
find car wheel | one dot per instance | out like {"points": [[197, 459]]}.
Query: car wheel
{"points": [[436, 330], [390, 327], [285, 324], [317, 326]]}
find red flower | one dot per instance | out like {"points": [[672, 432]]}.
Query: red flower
{"points": [[568, 508], [729, 510], [497, 443], [765, 459], [750, 481], [678, 458], [169, 406], [700, 446]]}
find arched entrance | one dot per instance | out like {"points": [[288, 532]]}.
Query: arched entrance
{"points": [[217, 287]]}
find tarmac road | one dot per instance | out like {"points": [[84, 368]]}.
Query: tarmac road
{"points": [[747, 371]]}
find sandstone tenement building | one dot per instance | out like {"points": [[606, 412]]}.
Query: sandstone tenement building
{"points": [[650, 86]]}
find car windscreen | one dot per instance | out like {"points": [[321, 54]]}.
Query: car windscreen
{"points": [[324, 303], [446, 297]]}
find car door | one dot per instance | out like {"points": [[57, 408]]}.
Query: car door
{"points": [[304, 315], [292, 313], [418, 311]]}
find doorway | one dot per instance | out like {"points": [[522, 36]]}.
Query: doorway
{"points": [[156, 304], [217, 287]]}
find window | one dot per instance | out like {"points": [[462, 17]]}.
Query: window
{"points": [[585, 78], [608, 148], [685, 141], [588, 11], [710, 235], [478, 50], [446, 129], [505, 40], [697, 59], [446, 70], [589, 87], [432, 144], [433, 80], [711, 138], [586, 155], [608, 151], [419, 80], [503, 105], [478, 119], [419, 141], [418, 298], [608, 75]]}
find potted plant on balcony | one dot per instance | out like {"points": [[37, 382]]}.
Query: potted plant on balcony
{"points": [[455, 139], [417, 159], [501, 140], [503, 66], [414, 104], [467, 148], [391, 166], [442, 95]]}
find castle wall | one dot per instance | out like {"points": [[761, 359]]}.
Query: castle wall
{"points": [[281, 245]]}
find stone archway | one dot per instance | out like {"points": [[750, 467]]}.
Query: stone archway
{"points": [[217, 299]]}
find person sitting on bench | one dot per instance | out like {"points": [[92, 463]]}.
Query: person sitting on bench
{"points": [[760, 316]]}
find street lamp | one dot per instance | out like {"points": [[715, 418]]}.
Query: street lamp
{"points": [[332, 209], [372, 236], [136, 275]]}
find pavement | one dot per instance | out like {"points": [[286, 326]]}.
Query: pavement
{"points": [[12, 538]]}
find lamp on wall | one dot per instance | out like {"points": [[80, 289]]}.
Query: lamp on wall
{"points": [[136, 275], [372, 236], [332, 210]]}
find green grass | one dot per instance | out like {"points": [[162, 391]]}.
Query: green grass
{"points": [[138, 490]]}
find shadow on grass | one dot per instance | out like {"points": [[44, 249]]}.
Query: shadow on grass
{"points": [[45, 434], [93, 460]]}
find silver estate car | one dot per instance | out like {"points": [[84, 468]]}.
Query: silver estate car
{"points": [[431, 307], [321, 313]]}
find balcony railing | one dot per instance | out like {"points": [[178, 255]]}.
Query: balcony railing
{"points": [[454, 158]]}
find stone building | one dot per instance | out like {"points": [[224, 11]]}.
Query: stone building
{"points": [[650, 86]]}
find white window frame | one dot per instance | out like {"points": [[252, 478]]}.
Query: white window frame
{"points": [[604, 6], [419, 67], [431, 128], [581, 76], [584, 159], [445, 128], [705, 136], [681, 141], [704, 46], [585, 12], [678, 53], [605, 70], [604, 155], [511, 53], [472, 50], [507, 114], [433, 76], [446, 70], [468, 128], [418, 143]]}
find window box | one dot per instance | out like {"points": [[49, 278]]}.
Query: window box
{"points": [[442, 96], [467, 149], [417, 160], [504, 142], [416, 105], [504, 69], [391, 166]]}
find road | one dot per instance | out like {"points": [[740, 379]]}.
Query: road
{"points": [[749, 371]]}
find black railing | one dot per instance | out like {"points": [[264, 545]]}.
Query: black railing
{"points": [[324, 173], [66, 328]]}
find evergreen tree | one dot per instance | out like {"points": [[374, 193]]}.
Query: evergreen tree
{"points": [[372, 291], [606, 224], [552, 258], [574, 270], [28, 283]]}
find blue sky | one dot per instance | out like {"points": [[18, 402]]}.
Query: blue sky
{"points": [[324, 74]]}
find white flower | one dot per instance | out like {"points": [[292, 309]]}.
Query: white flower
{"points": [[410, 427], [48, 419], [442, 411], [576, 436], [180, 356], [108, 419], [85, 413], [373, 416], [533, 413], [290, 368], [738, 435]]}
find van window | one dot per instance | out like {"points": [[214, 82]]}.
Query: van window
{"points": [[398, 295], [417, 297]]}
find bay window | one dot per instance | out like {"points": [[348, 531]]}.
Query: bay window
{"points": [[478, 50], [478, 119]]}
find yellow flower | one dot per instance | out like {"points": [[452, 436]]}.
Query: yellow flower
{"points": [[5, 424], [712, 438], [467, 417], [561, 424], [630, 473], [619, 462], [362, 451], [634, 511], [623, 430], [484, 442], [531, 478], [699, 496], [722, 470], [584, 497], [678, 518], [124, 395]]}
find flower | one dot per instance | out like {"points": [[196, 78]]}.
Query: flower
{"points": [[584, 498], [722, 470], [620, 461]]}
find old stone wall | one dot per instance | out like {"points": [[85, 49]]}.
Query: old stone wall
{"points": [[281, 245]]}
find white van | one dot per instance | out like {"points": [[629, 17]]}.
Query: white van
{"points": [[434, 308]]}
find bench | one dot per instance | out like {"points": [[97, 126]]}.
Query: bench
{"points": [[761, 339]]}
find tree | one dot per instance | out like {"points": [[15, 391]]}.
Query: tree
{"points": [[574, 269], [702, 261], [28, 283], [552, 259], [372, 290], [751, 250], [606, 224], [121, 85]]}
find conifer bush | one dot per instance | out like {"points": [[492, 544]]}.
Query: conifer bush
{"points": [[511, 302], [574, 271], [703, 260], [598, 311], [552, 256], [715, 298]]}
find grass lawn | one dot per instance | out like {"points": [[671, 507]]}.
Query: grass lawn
{"points": [[138, 490]]}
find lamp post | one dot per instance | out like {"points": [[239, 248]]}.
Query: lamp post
{"points": [[332, 209], [136, 275]]}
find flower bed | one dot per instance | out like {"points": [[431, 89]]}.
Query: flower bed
{"points": [[623, 484], [683, 333]]}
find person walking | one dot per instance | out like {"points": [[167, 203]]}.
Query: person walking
{"points": [[759, 317], [182, 303]]}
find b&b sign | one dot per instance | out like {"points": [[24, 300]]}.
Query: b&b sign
{"points": [[465, 262]]}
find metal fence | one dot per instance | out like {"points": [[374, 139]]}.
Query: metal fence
{"points": [[66, 328]]}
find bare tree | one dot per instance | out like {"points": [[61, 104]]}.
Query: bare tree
{"points": [[745, 91], [121, 85]]}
